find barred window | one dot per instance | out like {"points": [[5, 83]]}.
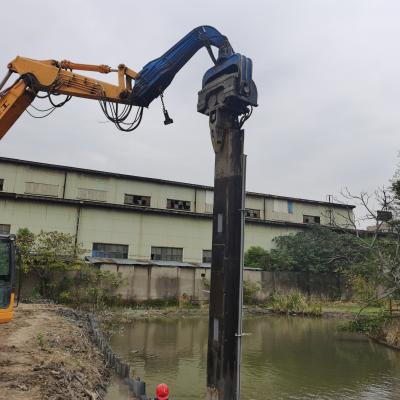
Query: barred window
{"points": [[207, 256], [5, 229], [135, 200], [311, 219], [44, 189], [167, 253], [178, 204], [109, 250], [252, 213]]}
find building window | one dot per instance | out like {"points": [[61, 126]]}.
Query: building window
{"points": [[252, 213], [178, 204], [290, 207], [167, 253], [92, 194], [108, 250], [311, 219], [134, 200], [1, 185], [207, 254], [5, 229], [44, 189]]}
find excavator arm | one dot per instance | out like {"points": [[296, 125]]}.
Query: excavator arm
{"points": [[12, 104], [55, 78], [134, 89]]}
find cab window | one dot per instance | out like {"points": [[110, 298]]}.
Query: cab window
{"points": [[4, 259]]}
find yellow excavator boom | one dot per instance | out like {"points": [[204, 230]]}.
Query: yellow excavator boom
{"points": [[58, 78], [13, 104]]}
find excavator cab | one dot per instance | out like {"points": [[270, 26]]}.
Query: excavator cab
{"points": [[7, 277]]}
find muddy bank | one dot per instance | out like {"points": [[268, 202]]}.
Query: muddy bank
{"points": [[119, 316], [46, 353], [388, 334]]}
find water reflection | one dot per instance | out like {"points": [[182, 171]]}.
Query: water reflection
{"points": [[284, 358]]}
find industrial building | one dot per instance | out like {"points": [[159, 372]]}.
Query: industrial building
{"points": [[123, 216]]}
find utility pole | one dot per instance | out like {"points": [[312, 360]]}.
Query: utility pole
{"points": [[224, 100]]}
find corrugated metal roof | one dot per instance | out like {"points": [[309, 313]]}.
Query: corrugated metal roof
{"points": [[157, 263], [117, 261], [204, 265], [161, 263], [128, 261]]}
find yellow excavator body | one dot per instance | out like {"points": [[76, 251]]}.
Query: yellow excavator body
{"points": [[6, 314]]}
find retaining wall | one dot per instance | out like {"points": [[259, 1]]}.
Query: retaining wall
{"points": [[149, 282]]}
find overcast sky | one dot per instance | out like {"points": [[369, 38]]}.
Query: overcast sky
{"points": [[328, 77]]}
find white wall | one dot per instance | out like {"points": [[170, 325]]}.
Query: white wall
{"points": [[140, 230]]}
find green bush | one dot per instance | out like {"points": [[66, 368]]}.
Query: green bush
{"points": [[89, 285], [363, 287], [250, 292], [56, 259], [370, 325], [256, 257]]}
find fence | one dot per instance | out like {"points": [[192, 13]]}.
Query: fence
{"points": [[152, 280], [122, 369]]}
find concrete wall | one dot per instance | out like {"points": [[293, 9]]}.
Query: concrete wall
{"points": [[151, 282], [154, 282]]}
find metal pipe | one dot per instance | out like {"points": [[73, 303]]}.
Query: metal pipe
{"points": [[239, 334], [65, 184], [265, 210], [222, 356], [78, 219]]}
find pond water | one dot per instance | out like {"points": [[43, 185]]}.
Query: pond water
{"points": [[283, 358]]}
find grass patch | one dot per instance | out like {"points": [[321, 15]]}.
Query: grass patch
{"points": [[350, 308], [294, 302]]}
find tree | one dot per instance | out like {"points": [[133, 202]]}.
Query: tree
{"points": [[396, 189], [55, 258], [395, 185], [47, 255], [25, 242], [377, 276], [318, 249], [54, 252], [256, 257], [379, 270]]}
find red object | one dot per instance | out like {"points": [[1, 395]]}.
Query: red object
{"points": [[162, 391]]}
